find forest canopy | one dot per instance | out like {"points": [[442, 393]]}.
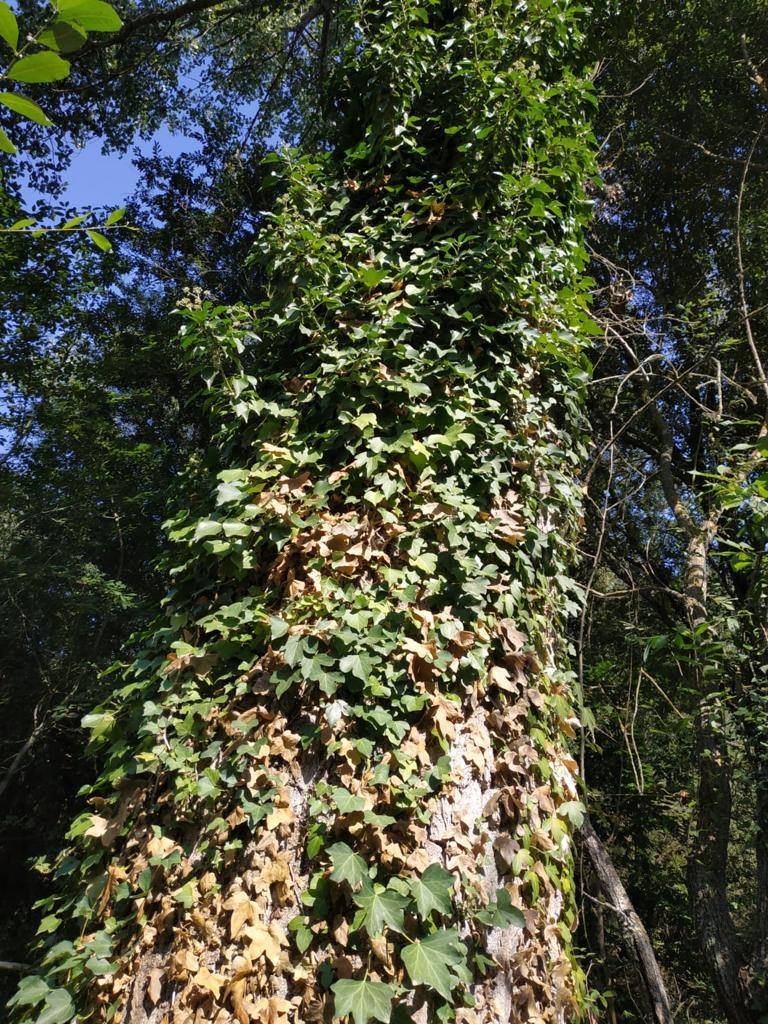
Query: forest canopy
{"points": [[385, 508]]}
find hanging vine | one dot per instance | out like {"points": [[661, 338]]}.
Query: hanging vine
{"points": [[337, 780]]}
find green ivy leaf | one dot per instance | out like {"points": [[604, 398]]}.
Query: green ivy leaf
{"points": [[9, 27], [348, 866], [186, 895], [207, 528], [357, 665], [363, 1000], [304, 937], [364, 420], [432, 891], [501, 914], [371, 276], [428, 960], [294, 649], [235, 529], [32, 990], [573, 810], [383, 908], [39, 67], [346, 802], [277, 627], [379, 820], [99, 723], [58, 1009]]}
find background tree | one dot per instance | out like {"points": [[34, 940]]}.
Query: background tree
{"points": [[678, 487], [98, 410]]}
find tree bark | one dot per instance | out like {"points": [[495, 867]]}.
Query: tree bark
{"points": [[708, 860], [633, 931]]}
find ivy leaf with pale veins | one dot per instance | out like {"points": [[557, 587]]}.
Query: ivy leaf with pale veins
{"points": [[428, 960], [348, 866], [58, 1008], [357, 665], [383, 907], [347, 802], [501, 914], [433, 891], [363, 1000]]}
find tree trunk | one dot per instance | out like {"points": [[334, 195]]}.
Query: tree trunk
{"points": [[708, 860], [345, 790], [633, 931]]}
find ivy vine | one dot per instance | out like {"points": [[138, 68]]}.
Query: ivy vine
{"points": [[364, 629]]}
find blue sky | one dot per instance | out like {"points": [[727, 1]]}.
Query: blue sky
{"points": [[98, 179]]}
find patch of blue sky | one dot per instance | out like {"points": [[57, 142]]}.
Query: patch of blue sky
{"points": [[98, 179]]}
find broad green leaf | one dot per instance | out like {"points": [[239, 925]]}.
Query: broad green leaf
{"points": [[433, 891], [63, 37], [294, 649], [25, 222], [365, 419], [363, 1000], [226, 491], [99, 240], [383, 908], [76, 220], [58, 1008], [501, 914], [185, 895], [48, 924], [27, 108], [346, 802], [379, 820], [100, 966], [9, 27], [428, 960], [113, 218], [5, 143], [31, 991], [94, 15], [278, 627], [427, 562], [304, 937], [207, 528], [348, 866], [573, 810], [357, 665], [372, 276], [236, 529], [99, 723], [39, 67]]}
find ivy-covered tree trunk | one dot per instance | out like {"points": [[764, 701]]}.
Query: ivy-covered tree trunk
{"points": [[337, 782]]}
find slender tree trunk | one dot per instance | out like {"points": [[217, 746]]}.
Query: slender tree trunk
{"points": [[632, 929], [708, 860], [761, 857]]}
